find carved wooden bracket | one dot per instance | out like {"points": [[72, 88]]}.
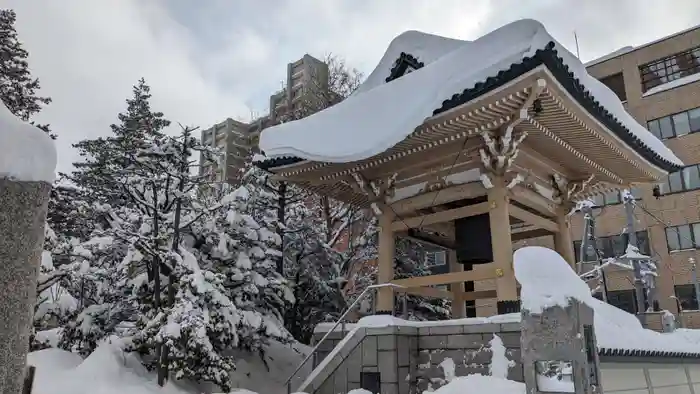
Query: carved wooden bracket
{"points": [[501, 145], [377, 191], [569, 191]]}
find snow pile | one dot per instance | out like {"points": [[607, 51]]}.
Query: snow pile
{"points": [[27, 153], [481, 384], [546, 282], [348, 131], [109, 370], [499, 361]]}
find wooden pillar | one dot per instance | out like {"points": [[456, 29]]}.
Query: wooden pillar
{"points": [[502, 246], [563, 244], [459, 307], [385, 263]]}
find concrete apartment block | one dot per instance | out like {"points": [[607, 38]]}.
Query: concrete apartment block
{"points": [[237, 140]]}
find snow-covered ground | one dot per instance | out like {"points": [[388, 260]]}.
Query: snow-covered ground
{"points": [[111, 371]]}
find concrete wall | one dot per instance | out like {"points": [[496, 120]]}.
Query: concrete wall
{"points": [[408, 358], [661, 377]]}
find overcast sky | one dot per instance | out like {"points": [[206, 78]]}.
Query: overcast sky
{"points": [[212, 59]]}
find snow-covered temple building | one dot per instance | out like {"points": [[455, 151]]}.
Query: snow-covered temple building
{"points": [[473, 145]]}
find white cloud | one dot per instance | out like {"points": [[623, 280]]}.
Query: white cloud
{"points": [[206, 61]]}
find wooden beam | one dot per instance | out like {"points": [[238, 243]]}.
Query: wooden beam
{"points": [[528, 232], [532, 219], [428, 238], [429, 292], [439, 197], [477, 295], [533, 200], [440, 217], [483, 272], [442, 228]]}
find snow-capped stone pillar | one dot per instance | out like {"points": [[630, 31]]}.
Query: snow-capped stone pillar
{"points": [[557, 340], [27, 165], [499, 219], [385, 263]]}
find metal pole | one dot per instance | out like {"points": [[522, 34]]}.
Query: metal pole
{"points": [[632, 240], [695, 281]]}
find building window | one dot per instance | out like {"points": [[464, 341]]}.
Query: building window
{"points": [[616, 83], [622, 299], [613, 246], [676, 125], [670, 68], [613, 198], [682, 237], [435, 258], [680, 181], [685, 294]]}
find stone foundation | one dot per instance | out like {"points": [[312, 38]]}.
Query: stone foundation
{"points": [[408, 359]]}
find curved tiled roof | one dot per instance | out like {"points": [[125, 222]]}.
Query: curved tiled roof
{"points": [[550, 58]]}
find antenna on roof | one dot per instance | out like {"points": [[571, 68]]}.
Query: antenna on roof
{"points": [[578, 55]]}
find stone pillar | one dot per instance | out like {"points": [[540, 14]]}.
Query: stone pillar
{"points": [[563, 243], [23, 207], [385, 263], [499, 219], [559, 350]]}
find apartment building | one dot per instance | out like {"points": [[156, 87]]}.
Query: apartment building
{"points": [[231, 138], [304, 76], [238, 140], [660, 85]]}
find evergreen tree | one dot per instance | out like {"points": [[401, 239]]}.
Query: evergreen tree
{"points": [[105, 158], [18, 89]]}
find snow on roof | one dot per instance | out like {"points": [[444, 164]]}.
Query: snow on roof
{"points": [[381, 114], [27, 153], [546, 279]]}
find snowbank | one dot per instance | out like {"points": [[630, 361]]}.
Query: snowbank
{"points": [[27, 153], [109, 370], [348, 131], [481, 384]]}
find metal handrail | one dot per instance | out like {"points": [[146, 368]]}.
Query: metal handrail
{"points": [[366, 291]]}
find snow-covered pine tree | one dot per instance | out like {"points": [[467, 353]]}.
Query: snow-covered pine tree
{"points": [[99, 277], [18, 89], [312, 265], [69, 214], [244, 250], [104, 158]]}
